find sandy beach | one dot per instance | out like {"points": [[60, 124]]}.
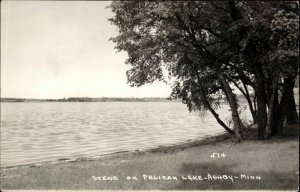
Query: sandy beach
{"points": [[215, 163]]}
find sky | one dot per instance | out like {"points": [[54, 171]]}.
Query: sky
{"points": [[56, 49]]}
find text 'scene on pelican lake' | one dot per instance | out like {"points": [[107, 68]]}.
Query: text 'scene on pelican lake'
{"points": [[206, 177]]}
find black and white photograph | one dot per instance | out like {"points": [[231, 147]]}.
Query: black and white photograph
{"points": [[149, 95]]}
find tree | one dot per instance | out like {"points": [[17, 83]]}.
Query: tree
{"points": [[206, 46], [169, 35], [270, 46]]}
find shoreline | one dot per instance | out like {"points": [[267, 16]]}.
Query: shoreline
{"points": [[214, 163], [182, 145]]}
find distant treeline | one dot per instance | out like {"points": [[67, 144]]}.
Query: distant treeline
{"points": [[12, 100], [104, 99], [88, 99]]}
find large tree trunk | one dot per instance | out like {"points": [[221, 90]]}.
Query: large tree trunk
{"points": [[261, 101], [287, 93], [292, 115], [238, 126], [272, 106], [275, 106]]}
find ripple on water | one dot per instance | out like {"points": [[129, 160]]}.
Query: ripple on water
{"points": [[37, 132]]}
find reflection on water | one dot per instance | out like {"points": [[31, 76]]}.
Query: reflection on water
{"points": [[37, 132]]}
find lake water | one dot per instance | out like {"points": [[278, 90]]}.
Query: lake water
{"points": [[47, 131]]}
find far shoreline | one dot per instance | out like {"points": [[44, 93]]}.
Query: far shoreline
{"points": [[99, 99]]}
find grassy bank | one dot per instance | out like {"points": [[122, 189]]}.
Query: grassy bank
{"points": [[272, 163]]}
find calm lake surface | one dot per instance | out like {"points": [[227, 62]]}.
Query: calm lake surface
{"points": [[47, 131]]}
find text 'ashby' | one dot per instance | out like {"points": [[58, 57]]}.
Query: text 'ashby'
{"points": [[206, 177]]}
